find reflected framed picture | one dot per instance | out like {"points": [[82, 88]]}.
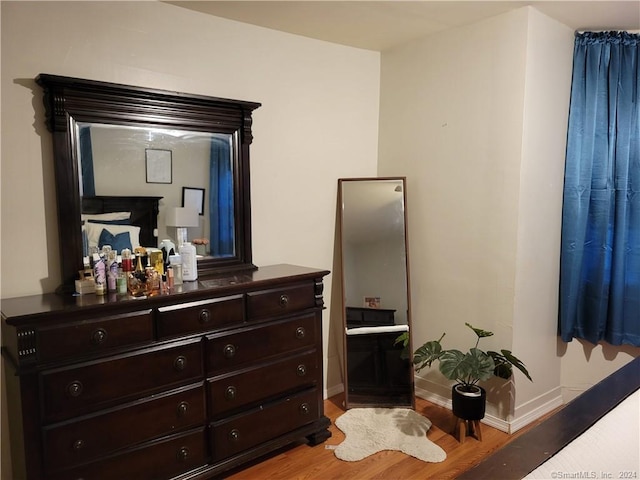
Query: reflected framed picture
{"points": [[372, 302], [194, 198], [158, 165]]}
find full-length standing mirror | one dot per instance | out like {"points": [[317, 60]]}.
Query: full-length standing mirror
{"points": [[375, 286]]}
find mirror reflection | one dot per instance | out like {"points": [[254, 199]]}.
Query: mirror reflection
{"points": [[183, 168], [375, 291], [79, 111]]}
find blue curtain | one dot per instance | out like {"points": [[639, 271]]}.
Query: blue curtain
{"points": [[86, 163], [600, 256], [221, 206]]}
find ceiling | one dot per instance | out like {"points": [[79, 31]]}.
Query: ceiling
{"points": [[381, 25]]}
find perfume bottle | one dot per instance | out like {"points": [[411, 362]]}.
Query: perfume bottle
{"points": [[127, 260], [137, 280]]}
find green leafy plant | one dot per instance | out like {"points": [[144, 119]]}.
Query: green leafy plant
{"points": [[468, 368]]}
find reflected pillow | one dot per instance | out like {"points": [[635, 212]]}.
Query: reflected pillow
{"points": [[118, 242], [94, 230]]}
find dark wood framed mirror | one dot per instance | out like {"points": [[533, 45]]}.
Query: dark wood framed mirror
{"points": [[120, 146], [375, 292]]}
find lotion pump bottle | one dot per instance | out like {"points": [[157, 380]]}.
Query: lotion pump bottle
{"points": [[189, 262]]}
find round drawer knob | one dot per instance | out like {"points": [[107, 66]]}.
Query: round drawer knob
{"points": [[284, 300], [183, 454], [74, 389], [300, 332], [230, 393], [301, 370], [78, 445], [99, 336], [304, 409], [229, 351], [180, 363], [183, 408], [205, 316], [234, 435]]}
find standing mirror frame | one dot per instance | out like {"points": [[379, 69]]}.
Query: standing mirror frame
{"points": [[70, 101], [376, 297]]}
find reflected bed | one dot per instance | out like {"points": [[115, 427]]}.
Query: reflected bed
{"points": [[143, 216]]}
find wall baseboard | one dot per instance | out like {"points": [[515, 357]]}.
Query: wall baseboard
{"points": [[532, 410], [333, 390], [524, 414]]}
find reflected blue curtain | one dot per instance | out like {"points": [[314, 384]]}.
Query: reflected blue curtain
{"points": [[221, 206], [86, 163], [600, 256]]}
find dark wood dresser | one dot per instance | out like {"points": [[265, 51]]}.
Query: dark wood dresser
{"points": [[369, 317], [186, 385]]}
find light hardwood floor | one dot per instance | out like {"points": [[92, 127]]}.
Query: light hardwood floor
{"points": [[305, 462]]}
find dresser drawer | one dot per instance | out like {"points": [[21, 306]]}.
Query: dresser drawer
{"points": [[94, 335], [90, 386], [225, 351], [155, 461], [73, 443], [196, 317], [266, 381], [259, 425], [280, 301]]}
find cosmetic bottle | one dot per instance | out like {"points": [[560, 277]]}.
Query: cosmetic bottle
{"points": [[87, 270], [112, 271], [127, 260], [152, 286], [137, 280], [168, 245], [176, 264], [121, 282], [189, 262], [156, 260], [99, 274], [92, 256], [170, 277]]}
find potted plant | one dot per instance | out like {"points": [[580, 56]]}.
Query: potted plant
{"points": [[467, 370]]}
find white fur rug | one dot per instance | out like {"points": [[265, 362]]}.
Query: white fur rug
{"points": [[371, 430]]}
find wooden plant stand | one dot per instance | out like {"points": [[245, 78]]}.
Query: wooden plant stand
{"points": [[464, 428]]}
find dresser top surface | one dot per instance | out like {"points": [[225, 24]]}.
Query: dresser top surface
{"points": [[263, 277]]}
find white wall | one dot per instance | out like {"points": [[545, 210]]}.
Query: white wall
{"points": [[476, 117], [535, 316], [451, 121], [318, 122]]}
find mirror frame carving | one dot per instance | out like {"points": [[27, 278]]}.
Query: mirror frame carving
{"points": [[68, 100]]}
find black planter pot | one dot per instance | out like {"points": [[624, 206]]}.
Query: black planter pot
{"points": [[468, 405]]}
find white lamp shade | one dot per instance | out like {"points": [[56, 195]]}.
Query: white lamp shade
{"points": [[181, 217]]}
